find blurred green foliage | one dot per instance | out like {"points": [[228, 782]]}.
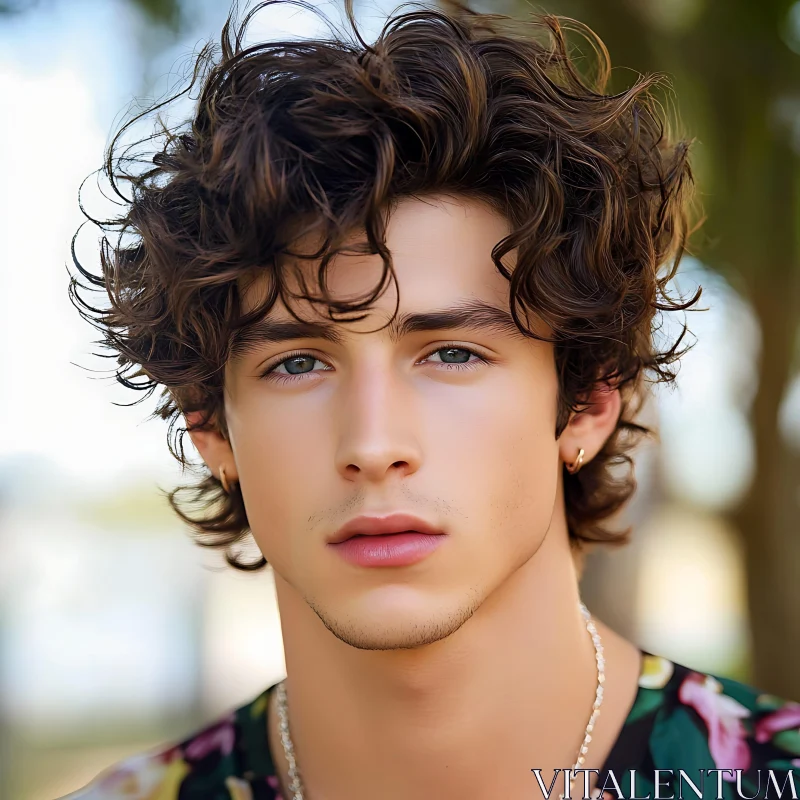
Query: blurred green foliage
{"points": [[166, 13], [162, 12], [16, 6]]}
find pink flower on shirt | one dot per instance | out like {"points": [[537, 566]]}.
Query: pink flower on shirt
{"points": [[219, 737], [272, 780], [783, 718], [723, 715]]}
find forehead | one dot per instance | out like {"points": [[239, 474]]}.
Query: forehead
{"points": [[441, 252]]}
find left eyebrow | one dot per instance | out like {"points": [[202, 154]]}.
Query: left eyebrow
{"points": [[474, 315]]}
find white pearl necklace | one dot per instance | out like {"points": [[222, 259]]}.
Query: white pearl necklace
{"points": [[296, 787]]}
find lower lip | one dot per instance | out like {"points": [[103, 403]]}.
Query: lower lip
{"points": [[388, 549]]}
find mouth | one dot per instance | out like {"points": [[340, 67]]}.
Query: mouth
{"points": [[396, 549], [383, 527]]}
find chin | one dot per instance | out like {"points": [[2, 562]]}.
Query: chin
{"points": [[377, 623]]}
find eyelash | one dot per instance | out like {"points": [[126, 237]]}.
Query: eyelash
{"points": [[270, 374]]}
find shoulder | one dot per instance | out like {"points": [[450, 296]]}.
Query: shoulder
{"points": [[697, 720], [227, 759]]}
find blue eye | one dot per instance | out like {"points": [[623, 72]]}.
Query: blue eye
{"points": [[297, 365], [457, 350]]}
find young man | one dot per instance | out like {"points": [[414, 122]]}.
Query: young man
{"points": [[403, 297]]}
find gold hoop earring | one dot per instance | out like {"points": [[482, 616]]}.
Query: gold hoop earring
{"points": [[577, 464], [224, 481]]}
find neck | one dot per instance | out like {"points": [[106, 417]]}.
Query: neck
{"points": [[467, 716]]}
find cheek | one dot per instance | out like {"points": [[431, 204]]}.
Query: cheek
{"points": [[507, 423], [284, 465], [503, 454]]}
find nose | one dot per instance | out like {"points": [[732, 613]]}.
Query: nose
{"points": [[376, 427]]}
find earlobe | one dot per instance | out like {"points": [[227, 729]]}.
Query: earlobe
{"points": [[214, 449], [589, 429], [223, 479]]}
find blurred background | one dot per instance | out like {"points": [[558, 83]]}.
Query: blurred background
{"points": [[116, 633]]}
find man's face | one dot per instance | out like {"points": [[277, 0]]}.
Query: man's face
{"points": [[372, 425]]}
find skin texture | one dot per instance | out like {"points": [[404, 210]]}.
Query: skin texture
{"points": [[455, 676]]}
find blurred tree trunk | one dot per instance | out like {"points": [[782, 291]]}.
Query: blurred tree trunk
{"points": [[769, 517], [744, 75], [735, 78], [755, 210]]}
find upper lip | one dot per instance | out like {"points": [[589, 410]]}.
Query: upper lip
{"points": [[391, 523]]}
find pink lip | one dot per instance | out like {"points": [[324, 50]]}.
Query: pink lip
{"points": [[392, 523], [388, 549], [394, 540]]}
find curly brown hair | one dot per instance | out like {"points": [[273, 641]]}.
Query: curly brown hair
{"points": [[322, 136]]}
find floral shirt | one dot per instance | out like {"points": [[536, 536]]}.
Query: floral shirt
{"points": [[681, 720]]}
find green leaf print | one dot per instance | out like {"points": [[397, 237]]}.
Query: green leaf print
{"points": [[788, 740], [769, 702], [781, 764], [648, 701]]}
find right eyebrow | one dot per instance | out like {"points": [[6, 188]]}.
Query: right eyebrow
{"points": [[272, 331]]}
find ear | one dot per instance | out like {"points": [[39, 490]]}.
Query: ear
{"points": [[213, 447], [590, 429]]}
